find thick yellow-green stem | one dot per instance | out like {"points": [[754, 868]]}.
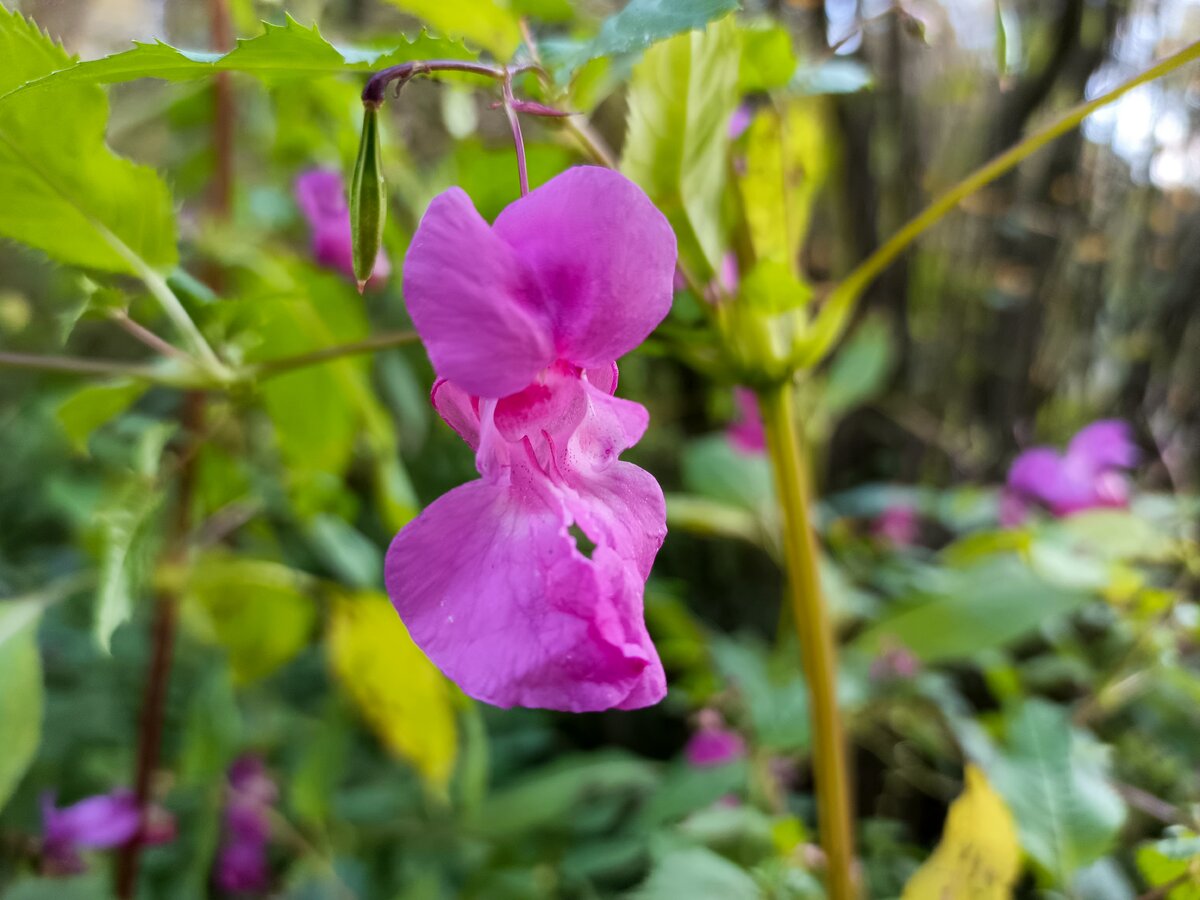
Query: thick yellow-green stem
{"points": [[818, 650]]}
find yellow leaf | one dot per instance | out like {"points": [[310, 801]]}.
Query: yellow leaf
{"points": [[978, 857], [399, 692], [259, 611]]}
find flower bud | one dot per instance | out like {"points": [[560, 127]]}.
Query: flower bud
{"points": [[368, 199]]}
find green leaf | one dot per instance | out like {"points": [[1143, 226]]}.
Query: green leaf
{"points": [[697, 874], [680, 99], [129, 536], [1169, 860], [987, 605], [91, 406], [640, 24], [547, 797], [281, 53], [213, 729], [715, 469], [789, 154], [354, 557], [85, 887], [1054, 778], [768, 60], [489, 24], [21, 697], [860, 369], [776, 697], [259, 611], [64, 191]]}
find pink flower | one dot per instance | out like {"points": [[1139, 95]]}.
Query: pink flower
{"points": [[96, 823], [1087, 476], [740, 121], [713, 744], [242, 864], [746, 433], [321, 196], [525, 586], [897, 525]]}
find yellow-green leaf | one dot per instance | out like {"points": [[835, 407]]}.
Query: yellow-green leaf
{"points": [[259, 611], [21, 693], [680, 99], [489, 24], [92, 405], [787, 161], [399, 692], [978, 857]]}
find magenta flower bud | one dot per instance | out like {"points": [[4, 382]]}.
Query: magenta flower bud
{"points": [[525, 587], [746, 433], [321, 196], [740, 121], [96, 823], [242, 864], [1087, 476], [897, 525], [713, 744]]}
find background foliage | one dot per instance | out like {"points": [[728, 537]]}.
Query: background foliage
{"points": [[1044, 674]]}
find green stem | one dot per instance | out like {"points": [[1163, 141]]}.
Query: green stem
{"points": [[79, 366], [272, 367], [836, 311], [814, 629]]}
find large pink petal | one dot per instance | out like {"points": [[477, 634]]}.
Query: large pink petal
{"points": [[493, 589], [603, 255], [474, 302]]}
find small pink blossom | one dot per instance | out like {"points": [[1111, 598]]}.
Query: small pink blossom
{"points": [[321, 196], [898, 525], [746, 433], [525, 587], [1087, 476], [96, 823], [740, 121], [712, 744]]}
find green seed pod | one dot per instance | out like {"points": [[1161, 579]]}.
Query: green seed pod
{"points": [[368, 199]]}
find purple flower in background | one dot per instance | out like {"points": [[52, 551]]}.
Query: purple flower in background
{"points": [[713, 744], [96, 823], [242, 863], [321, 196], [740, 121], [1088, 476], [898, 525], [525, 586], [746, 433]]}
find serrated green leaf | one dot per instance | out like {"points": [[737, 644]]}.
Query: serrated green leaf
{"points": [[1055, 780], [92, 405], [1173, 861], [984, 606], [681, 97], [637, 26], [280, 53], [21, 692], [64, 191], [259, 611], [489, 24], [129, 537]]}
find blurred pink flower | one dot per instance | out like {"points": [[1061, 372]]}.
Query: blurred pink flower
{"points": [[740, 121], [894, 661], [96, 823], [525, 587], [898, 525], [1088, 476], [712, 744], [321, 196], [242, 864], [746, 432]]}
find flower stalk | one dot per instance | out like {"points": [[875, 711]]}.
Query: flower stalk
{"points": [[814, 629]]}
